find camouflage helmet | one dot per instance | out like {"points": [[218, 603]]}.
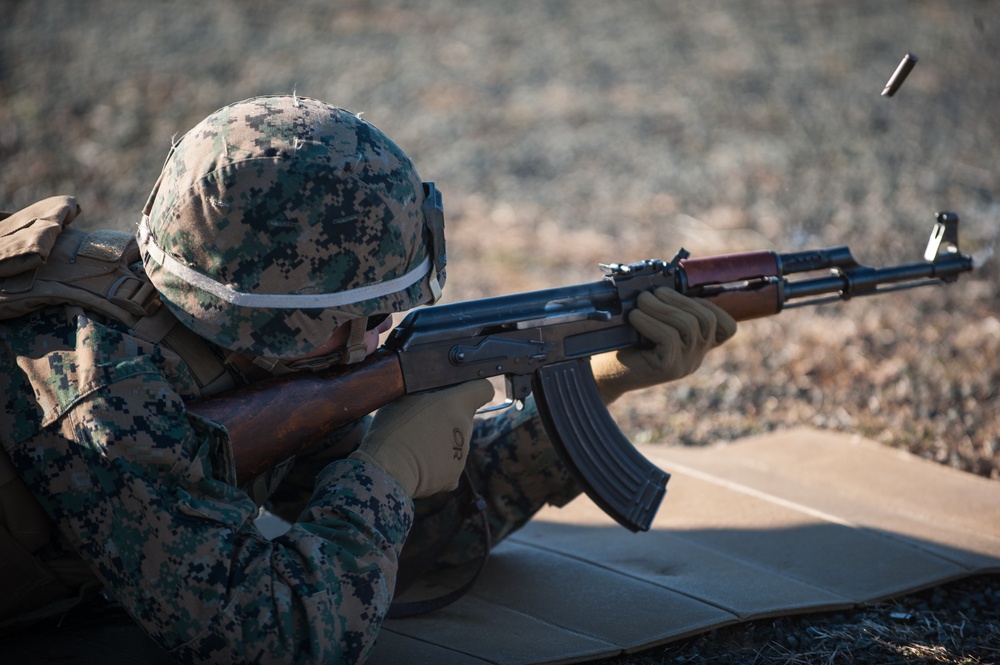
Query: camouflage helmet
{"points": [[278, 219]]}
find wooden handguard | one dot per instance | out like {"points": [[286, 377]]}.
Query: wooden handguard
{"points": [[745, 285], [728, 268], [751, 302]]}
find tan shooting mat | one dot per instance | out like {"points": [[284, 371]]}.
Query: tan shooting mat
{"points": [[787, 523]]}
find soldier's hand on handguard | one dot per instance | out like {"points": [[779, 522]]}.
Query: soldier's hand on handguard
{"points": [[422, 440], [681, 329]]}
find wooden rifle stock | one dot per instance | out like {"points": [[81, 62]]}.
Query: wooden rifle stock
{"points": [[272, 420]]}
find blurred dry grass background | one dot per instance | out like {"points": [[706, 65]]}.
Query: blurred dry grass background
{"points": [[564, 134], [567, 133]]}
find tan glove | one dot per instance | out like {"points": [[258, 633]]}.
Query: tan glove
{"points": [[682, 330], [423, 440]]}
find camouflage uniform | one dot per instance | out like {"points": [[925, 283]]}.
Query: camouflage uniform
{"points": [[94, 421]]}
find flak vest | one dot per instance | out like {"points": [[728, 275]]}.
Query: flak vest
{"points": [[44, 263]]}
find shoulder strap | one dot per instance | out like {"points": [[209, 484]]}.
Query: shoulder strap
{"points": [[43, 263]]}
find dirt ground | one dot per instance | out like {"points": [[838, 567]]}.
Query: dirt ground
{"points": [[564, 134]]}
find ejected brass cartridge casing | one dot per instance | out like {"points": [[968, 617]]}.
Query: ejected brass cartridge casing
{"points": [[898, 76]]}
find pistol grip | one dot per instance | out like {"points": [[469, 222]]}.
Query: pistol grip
{"points": [[622, 482]]}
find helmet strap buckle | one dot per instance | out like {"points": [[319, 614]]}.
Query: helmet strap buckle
{"points": [[433, 211], [356, 347], [435, 285]]}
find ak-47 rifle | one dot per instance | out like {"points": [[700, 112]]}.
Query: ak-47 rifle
{"points": [[541, 342]]}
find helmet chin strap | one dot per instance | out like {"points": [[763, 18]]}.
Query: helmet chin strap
{"points": [[355, 351]]}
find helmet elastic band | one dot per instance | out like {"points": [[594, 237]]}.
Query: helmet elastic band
{"points": [[230, 295]]}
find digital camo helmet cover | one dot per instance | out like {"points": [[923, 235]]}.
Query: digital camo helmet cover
{"points": [[278, 219]]}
